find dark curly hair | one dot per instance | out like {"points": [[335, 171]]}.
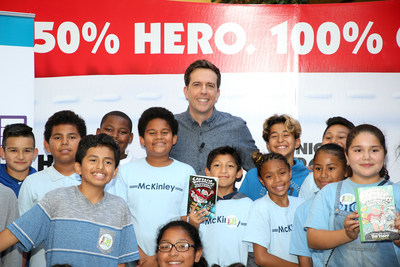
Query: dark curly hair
{"points": [[259, 159], [157, 113]]}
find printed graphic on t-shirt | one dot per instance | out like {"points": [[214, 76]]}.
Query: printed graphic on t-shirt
{"points": [[156, 186], [231, 221], [106, 240], [283, 229], [348, 202]]}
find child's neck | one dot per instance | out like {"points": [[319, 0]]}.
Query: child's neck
{"points": [[17, 175], [93, 194], [365, 180], [290, 160], [159, 162], [281, 201], [65, 169], [224, 191]]}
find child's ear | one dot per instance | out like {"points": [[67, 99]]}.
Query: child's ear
{"points": [[297, 143], [262, 182], [115, 173], [46, 146], [141, 139], [130, 138], [97, 131], [35, 153], [268, 147], [78, 168], [174, 139], [3, 156], [290, 173], [239, 175], [207, 171], [198, 254]]}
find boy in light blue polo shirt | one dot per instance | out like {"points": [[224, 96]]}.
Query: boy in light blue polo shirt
{"points": [[63, 131], [222, 236]]}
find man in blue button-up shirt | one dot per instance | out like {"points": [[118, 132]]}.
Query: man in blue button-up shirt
{"points": [[203, 128]]}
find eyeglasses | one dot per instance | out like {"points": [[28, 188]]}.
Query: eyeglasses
{"points": [[179, 246]]}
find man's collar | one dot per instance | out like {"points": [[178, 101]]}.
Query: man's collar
{"points": [[210, 120]]}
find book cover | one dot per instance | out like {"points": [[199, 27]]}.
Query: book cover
{"points": [[377, 213], [203, 192]]}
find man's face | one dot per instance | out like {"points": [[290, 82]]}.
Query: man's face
{"points": [[202, 93]]}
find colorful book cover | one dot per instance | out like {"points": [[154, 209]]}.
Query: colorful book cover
{"points": [[377, 213], [203, 192]]}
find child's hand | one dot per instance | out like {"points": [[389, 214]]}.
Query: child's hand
{"points": [[397, 226], [197, 217], [351, 225]]}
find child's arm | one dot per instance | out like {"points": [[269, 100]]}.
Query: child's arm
{"points": [[305, 261], [397, 226], [327, 239], [263, 258], [122, 265], [147, 261], [7, 239]]}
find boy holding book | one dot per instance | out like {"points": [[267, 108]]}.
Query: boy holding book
{"points": [[18, 150], [63, 131], [232, 210], [75, 222], [155, 187]]}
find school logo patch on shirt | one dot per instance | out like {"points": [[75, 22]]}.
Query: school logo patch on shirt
{"points": [[348, 202], [232, 221], [106, 240]]}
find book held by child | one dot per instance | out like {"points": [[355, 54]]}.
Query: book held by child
{"points": [[203, 192], [377, 212]]}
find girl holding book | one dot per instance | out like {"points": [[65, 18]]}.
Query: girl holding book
{"points": [[333, 220]]}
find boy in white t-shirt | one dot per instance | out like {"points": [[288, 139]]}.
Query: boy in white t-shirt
{"points": [[155, 187]]}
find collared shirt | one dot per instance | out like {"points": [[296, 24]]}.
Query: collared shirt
{"points": [[228, 196], [221, 129], [10, 181]]}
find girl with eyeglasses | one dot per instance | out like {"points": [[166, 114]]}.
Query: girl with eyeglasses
{"points": [[178, 243]]}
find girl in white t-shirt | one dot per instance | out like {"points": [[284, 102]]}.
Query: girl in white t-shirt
{"points": [[271, 217]]}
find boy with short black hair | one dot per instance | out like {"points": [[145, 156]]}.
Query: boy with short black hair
{"points": [[63, 131], [118, 125], [336, 131], [282, 135], [81, 225], [18, 150], [232, 211], [155, 187]]}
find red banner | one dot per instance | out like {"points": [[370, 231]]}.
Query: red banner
{"points": [[162, 37]]}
